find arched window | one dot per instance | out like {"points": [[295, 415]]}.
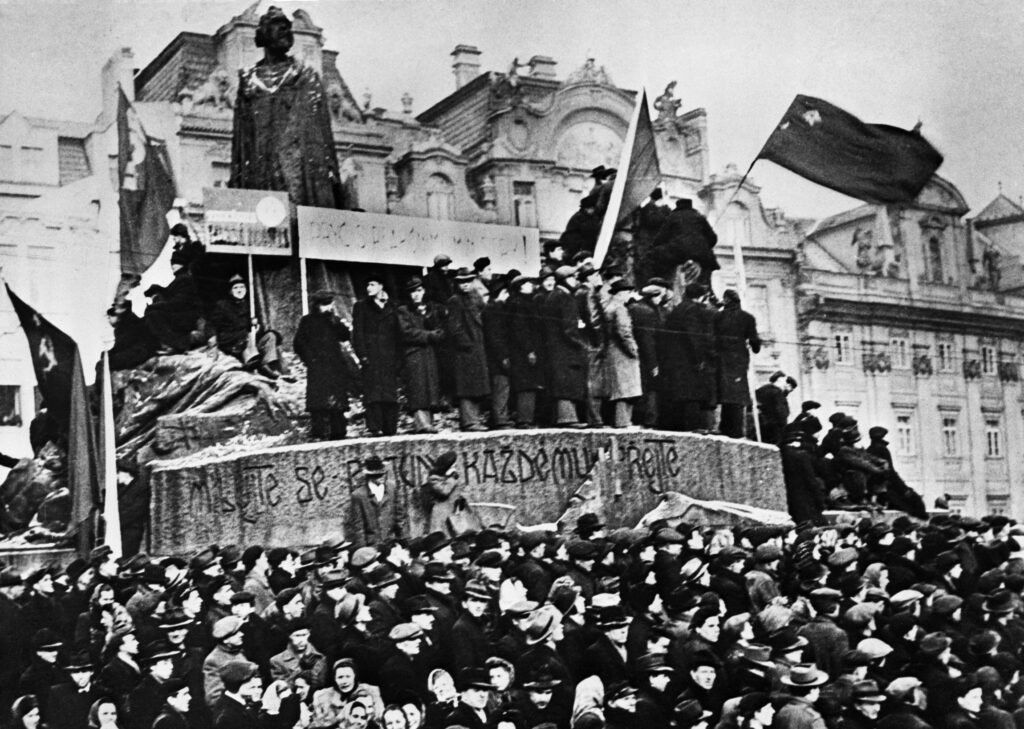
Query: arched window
{"points": [[735, 225], [935, 260], [440, 197]]}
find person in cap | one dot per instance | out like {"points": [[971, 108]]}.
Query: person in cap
{"points": [[685, 236], [906, 705], [227, 632], [763, 579], [647, 318], [133, 343], [591, 296], [174, 712], [968, 697], [38, 602], [376, 511], [464, 329], [70, 701], [621, 362], [300, 658], [686, 353], [582, 229], [420, 324], [567, 352], [553, 253], [376, 340], [147, 698], [802, 467], [43, 670], [773, 407], [828, 641], [282, 570], [865, 706], [475, 688], [235, 707], [803, 684], [242, 335], [735, 338], [438, 282], [402, 671], [469, 638], [648, 221], [121, 672], [173, 316], [498, 346], [525, 349], [318, 343]]}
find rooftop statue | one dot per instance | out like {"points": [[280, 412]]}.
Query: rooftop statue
{"points": [[282, 136]]}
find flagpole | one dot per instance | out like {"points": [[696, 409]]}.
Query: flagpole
{"points": [[111, 507], [611, 214], [304, 285]]}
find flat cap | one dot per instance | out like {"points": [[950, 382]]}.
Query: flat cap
{"points": [[226, 627], [405, 631]]}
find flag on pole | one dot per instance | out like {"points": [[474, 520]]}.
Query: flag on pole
{"points": [[58, 367], [871, 162], [111, 507], [638, 175], [147, 190]]}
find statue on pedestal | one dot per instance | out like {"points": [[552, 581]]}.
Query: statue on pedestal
{"points": [[282, 137]]}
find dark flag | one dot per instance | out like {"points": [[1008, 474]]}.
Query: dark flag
{"points": [[872, 162], [638, 175], [58, 368], [147, 191]]}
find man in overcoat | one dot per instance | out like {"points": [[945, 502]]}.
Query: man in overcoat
{"points": [[376, 513], [466, 333], [525, 349], [420, 326], [735, 330], [686, 235], [376, 340], [497, 344], [566, 349], [318, 344], [687, 362], [648, 319]]}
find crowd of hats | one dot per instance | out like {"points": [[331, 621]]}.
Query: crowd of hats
{"points": [[673, 624]]}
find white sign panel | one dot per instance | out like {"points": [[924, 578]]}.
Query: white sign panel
{"points": [[343, 235], [246, 221]]}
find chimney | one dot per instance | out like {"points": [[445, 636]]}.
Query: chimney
{"points": [[465, 64], [117, 70], [542, 66]]}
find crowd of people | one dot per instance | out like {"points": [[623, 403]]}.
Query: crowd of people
{"points": [[903, 625]]}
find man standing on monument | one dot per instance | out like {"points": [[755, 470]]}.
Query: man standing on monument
{"points": [[282, 137], [318, 344], [376, 513], [734, 330], [376, 340], [466, 333], [685, 236]]}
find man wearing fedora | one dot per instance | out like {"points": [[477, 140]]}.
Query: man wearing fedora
{"points": [[607, 657], [583, 228], [865, 706], [804, 683], [318, 344], [69, 703], [376, 512], [377, 342], [476, 687], [567, 352], [420, 323], [465, 332]]}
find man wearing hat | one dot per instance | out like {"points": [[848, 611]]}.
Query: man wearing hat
{"points": [[525, 348], [43, 671], [865, 706], [648, 318], [145, 702], [172, 317], [376, 512], [377, 343], [828, 641], [735, 338], [685, 236], [567, 353], [235, 708], [175, 709], [607, 656], [804, 683], [300, 658], [498, 346], [469, 641], [541, 705], [420, 324], [440, 492], [686, 354], [69, 702], [227, 632], [465, 332], [237, 330], [403, 671], [773, 407], [438, 281], [582, 228], [476, 687], [649, 219], [318, 344], [621, 361], [133, 342]]}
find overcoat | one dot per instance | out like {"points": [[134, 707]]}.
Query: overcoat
{"points": [[495, 320], [686, 354], [318, 344], [622, 355], [371, 522], [421, 332], [734, 329], [567, 353], [466, 332], [525, 336], [375, 338], [647, 321]]}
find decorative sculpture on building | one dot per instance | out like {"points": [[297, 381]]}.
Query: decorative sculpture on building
{"points": [[1009, 372], [667, 105], [876, 362], [215, 91], [343, 108], [922, 365], [972, 369], [589, 73], [282, 137], [875, 258]]}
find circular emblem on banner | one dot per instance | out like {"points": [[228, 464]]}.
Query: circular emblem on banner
{"points": [[271, 212]]}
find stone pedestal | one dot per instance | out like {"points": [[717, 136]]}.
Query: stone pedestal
{"points": [[298, 495]]}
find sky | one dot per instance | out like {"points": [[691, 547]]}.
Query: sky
{"points": [[954, 66]]}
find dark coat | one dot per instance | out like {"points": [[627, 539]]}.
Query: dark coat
{"points": [[133, 343], [603, 660], [174, 312], [686, 354], [318, 344], [567, 354], [440, 286], [687, 235], [169, 718], [371, 523], [805, 491], [497, 344], [470, 647], [229, 714], [421, 332], [463, 715], [647, 320], [400, 674], [734, 330], [120, 679], [581, 233], [232, 322], [69, 707], [145, 703], [466, 334], [376, 340], [828, 642], [525, 337]]}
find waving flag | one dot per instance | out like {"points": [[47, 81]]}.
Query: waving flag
{"points": [[872, 162]]}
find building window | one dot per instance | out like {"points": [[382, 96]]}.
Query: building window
{"points": [[950, 437], [440, 198], [524, 204], [988, 360], [10, 405], [945, 353], [221, 174], [993, 438], [904, 436], [997, 504], [735, 225], [33, 164], [898, 352], [844, 349], [935, 260]]}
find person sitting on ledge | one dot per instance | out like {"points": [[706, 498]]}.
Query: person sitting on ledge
{"points": [[235, 328]]}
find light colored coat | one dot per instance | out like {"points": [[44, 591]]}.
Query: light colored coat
{"points": [[622, 357]]}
